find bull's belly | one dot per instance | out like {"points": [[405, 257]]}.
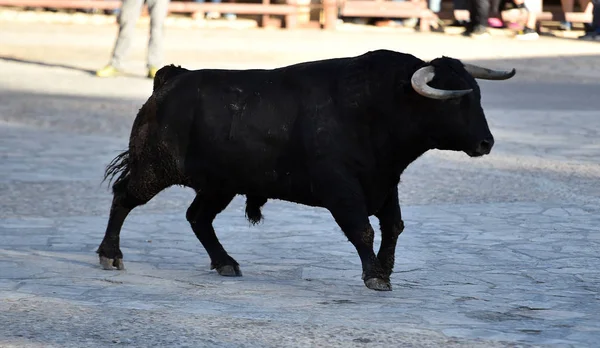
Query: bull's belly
{"points": [[293, 185], [301, 190], [288, 187]]}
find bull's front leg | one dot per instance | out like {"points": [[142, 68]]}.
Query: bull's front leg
{"points": [[347, 206], [201, 214], [354, 222], [391, 225]]}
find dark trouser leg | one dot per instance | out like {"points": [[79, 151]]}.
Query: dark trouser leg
{"points": [[200, 215], [494, 8], [596, 18], [391, 225], [479, 12]]}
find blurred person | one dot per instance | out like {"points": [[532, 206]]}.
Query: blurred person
{"points": [[437, 25], [594, 32], [528, 31], [459, 6], [128, 16], [569, 6], [495, 17], [479, 12]]}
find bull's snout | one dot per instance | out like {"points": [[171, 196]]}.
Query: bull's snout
{"points": [[484, 147]]}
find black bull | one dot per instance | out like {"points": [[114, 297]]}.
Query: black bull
{"points": [[334, 133]]}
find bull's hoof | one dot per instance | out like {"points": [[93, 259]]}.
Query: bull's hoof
{"points": [[378, 284], [110, 264], [229, 271]]}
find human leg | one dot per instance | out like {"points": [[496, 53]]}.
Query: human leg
{"points": [[127, 19], [158, 12], [594, 33], [569, 6], [495, 19], [479, 12], [529, 26]]}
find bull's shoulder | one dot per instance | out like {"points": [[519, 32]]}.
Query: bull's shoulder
{"points": [[166, 73], [387, 53]]}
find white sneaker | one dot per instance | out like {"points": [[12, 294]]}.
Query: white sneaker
{"points": [[527, 34]]}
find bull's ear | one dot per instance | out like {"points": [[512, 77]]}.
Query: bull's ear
{"points": [[488, 74], [423, 76]]}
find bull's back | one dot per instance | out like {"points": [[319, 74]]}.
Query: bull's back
{"points": [[248, 127]]}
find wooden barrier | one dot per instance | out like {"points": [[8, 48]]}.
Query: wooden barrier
{"points": [[77, 4], [389, 9], [289, 10]]}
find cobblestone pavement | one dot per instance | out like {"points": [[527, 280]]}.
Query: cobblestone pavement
{"points": [[497, 251]]}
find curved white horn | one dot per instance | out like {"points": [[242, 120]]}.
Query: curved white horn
{"points": [[424, 75], [488, 74]]}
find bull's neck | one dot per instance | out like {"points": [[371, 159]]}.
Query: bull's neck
{"points": [[407, 136], [409, 145]]}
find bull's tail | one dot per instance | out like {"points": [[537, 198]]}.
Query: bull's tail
{"points": [[119, 167], [253, 208]]}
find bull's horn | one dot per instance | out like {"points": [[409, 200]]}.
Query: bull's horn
{"points": [[419, 82], [488, 74]]}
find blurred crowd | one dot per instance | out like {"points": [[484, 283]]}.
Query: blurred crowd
{"points": [[486, 14]]}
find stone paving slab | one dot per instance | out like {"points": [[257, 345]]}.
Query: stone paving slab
{"points": [[498, 251]]}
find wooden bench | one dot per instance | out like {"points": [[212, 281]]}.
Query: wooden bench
{"points": [[389, 9], [289, 10]]}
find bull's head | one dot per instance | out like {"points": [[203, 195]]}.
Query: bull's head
{"points": [[457, 122]]}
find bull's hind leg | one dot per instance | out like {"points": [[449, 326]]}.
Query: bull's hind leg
{"points": [[123, 203], [201, 214]]}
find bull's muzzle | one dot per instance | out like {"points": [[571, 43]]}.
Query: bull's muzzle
{"points": [[483, 148]]}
